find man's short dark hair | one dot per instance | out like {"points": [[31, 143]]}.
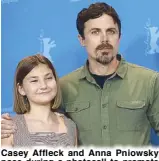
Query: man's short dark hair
{"points": [[94, 11]]}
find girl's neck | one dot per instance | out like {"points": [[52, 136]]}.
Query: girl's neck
{"points": [[41, 113]]}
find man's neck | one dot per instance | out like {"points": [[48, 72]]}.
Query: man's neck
{"points": [[100, 69]]}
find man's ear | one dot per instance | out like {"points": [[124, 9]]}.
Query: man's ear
{"points": [[21, 89], [81, 40]]}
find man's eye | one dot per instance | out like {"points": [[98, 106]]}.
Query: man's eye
{"points": [[111, 32], [95, 32]]}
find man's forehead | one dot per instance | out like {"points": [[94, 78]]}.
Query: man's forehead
{"points": [[102, 22]]}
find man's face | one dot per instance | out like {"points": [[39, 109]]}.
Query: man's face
{"points": [[101, 39]]}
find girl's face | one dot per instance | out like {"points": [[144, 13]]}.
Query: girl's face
{"points": [[39, 86]]}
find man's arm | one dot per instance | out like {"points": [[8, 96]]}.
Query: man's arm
{"points": [[7, 126], [7, 142], [153, 111]]}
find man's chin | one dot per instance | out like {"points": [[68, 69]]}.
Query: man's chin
{"points": [[105, 61]]}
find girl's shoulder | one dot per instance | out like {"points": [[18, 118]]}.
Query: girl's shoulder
{"points": [[68, 121], [18, 117]]}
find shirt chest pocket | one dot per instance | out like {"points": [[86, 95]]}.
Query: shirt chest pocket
{"points": [[131, 115], [80, 114]]}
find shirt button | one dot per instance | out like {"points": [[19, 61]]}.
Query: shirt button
{"points": [[76, 109], [104, 105], [105, 126]]}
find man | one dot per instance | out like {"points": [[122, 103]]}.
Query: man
{"points": [[112, 101]]}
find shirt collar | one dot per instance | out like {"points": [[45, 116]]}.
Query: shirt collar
{"points": [[121, 70]]}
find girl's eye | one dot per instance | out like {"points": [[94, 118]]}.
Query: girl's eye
{"points": [[34, 81], [49, 78]]}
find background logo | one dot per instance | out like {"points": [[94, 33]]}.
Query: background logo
{"points": [[46, 45], [152, 41]]}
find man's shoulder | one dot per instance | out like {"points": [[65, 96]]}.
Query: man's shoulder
{"points": [[73, 76], [141, 70], [70, 81]]}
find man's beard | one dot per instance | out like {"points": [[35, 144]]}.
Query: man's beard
{"points": [[104, 57]]}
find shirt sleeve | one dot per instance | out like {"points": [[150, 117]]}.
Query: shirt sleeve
{"points": [[153, 110]]}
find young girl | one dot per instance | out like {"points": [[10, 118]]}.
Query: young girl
{"points": [[36, 97]]}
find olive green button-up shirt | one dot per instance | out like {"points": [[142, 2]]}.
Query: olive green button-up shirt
{"points": [[121, 113]]}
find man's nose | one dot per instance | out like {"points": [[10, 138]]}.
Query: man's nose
{"points": [[104, 37]]}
